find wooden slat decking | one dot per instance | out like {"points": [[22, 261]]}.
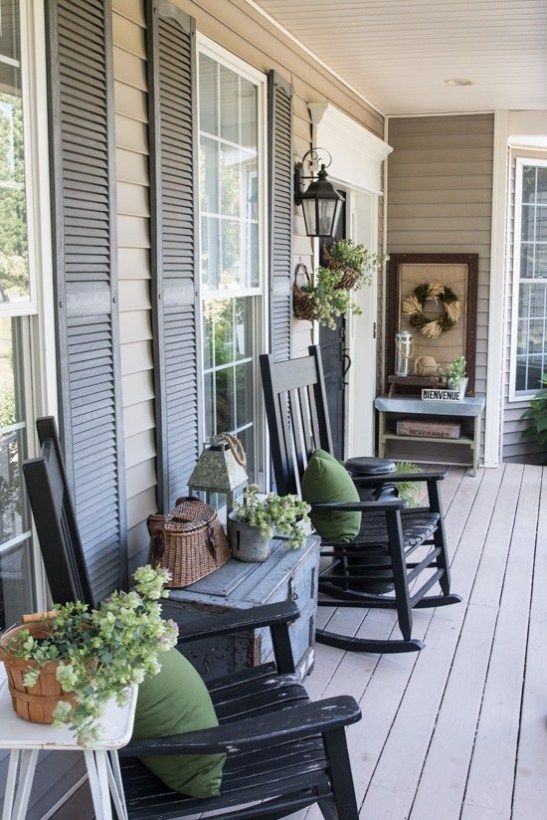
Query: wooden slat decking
{"points": [[458, 730]]}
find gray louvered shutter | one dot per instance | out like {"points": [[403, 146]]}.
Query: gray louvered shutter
{"points": [[84, 215], [280, 156], [174, 206]]}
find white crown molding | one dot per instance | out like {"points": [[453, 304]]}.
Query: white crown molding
{"points": [[357, 154]]}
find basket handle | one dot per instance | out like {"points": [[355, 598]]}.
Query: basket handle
{"points": [[301, 268]]}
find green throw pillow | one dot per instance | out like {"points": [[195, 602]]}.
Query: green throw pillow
{"points": [[174, 701], [325, 479]]}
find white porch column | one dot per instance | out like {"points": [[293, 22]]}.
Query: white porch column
{"points": [[496, 309]]}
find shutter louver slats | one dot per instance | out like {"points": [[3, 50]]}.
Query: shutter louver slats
{"points": [[280, 213], [82, 149], [175, 266]]}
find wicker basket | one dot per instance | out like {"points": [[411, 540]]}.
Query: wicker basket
{"points": [[349, 277], [303, 302], [189, 541], [36, 703]]}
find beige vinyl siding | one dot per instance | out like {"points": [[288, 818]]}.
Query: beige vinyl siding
{"points": [[237, 27], [134, 269], [514, 446], [440, 198]]}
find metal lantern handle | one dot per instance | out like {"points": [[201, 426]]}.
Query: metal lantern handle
{"points": [[316, 157]]}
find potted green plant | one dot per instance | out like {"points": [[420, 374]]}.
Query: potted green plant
{"points": [[537, 414], [455, 377], [63, 669], [253, 523], [354, 262]]}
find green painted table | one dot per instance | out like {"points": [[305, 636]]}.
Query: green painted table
{"points": [[401, 406]]}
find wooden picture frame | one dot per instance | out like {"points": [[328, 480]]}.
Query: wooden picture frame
{"points": [[435, 267]]}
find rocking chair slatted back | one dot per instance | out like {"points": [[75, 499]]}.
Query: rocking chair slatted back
{"points": [[62, 549], [296, 406]]}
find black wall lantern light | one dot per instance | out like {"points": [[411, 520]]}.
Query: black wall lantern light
{"points": [[321, 203]]}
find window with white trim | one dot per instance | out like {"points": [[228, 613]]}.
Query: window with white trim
{"points": [[231, 166], [529, 319], [20, 321]]}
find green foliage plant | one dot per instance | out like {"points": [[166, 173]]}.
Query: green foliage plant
{"points": [[274, 515], [455, 371], [102, 652], [537, 414], [329, 299], [358, 258], [409, 491]]}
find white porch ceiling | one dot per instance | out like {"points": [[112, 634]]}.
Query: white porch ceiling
{"points": [[398, 53]]}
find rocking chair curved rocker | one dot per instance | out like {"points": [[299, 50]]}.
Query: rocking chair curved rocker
{"points": [[382, 552]]}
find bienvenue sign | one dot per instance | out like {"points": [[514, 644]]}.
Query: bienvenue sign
{"points": [[436, 394]]}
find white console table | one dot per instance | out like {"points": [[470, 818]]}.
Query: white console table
{"points": [[470, 407]]}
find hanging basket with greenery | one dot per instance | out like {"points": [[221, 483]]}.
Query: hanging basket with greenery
{"points": [[354, 263], [323, 301]]}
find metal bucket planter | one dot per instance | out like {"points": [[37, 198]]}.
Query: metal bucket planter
{"points": [[460, 385], [247, 543]]}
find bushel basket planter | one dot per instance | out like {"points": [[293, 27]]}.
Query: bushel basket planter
{"points": [[33, 703]]}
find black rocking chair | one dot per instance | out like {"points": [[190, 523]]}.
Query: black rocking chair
{"points": [[298, 422], [284, 753]]}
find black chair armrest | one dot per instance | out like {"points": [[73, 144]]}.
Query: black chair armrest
{"points": [[359, 506], [395, 478], [209, 626], [298, 721]]}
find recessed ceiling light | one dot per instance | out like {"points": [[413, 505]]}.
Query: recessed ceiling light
{"points": [[459, 81]]}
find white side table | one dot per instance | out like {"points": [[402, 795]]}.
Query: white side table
{"points": [[24, 740]]}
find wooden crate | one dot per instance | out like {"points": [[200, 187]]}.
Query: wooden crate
{"points": [[427, 428]]}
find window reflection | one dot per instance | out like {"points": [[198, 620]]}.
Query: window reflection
{"points": [[15, 576], [230, 258], [531, 353], [14, 263]]}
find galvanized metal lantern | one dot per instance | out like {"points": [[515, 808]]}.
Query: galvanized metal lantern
{"points": [[220, 469]]}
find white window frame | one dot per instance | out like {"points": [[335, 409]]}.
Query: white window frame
{"points": [[39, 359], [522, 396], [221, 55], [29, 19]]}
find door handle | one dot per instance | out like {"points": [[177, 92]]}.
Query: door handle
{"points": [[347, 365]]}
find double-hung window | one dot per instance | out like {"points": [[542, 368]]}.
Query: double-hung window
{"points": [[232, 196], [24, 233], [529, 315]]}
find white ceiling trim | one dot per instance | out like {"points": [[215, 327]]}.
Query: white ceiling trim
{"points": [[357, 154], [313, 55]]}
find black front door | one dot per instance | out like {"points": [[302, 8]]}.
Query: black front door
{"points": [[334, 355]]}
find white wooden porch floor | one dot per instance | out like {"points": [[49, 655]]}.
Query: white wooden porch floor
{"points": [[458, 730]]}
